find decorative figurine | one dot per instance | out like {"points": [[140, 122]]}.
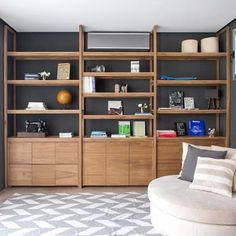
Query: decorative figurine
{"points": [[211, 132], [98, 68], [44, 75], [117, 88], [124, 88]]}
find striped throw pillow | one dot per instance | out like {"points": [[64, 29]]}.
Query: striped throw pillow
{"points": [[214, 175]]}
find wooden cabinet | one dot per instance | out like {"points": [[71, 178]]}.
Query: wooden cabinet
{"points": [[169, 152], [114, 162], [117, 163], [140, 162], [43, 162], [94, 159]]}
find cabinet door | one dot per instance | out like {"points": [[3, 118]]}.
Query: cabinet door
{"points": [[66, 175], [19, 153], [19, 175], [168, 157], [43, 175], [43, 153], [140, 162], [117, 163], [94, 154], [67, 153]]}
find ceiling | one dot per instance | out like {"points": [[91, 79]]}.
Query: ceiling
{"points": [[118, 15]]}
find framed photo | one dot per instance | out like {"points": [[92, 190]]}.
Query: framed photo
{"points": [[189, 103], [63, 71], [180, 128]]}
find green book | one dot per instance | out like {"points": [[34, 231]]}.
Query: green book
{"points": [[124, 127]]}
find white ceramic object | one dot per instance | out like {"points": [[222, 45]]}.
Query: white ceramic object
{"points": [[210, 44], [189, 45]]}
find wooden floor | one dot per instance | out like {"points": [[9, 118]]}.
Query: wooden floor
{"points": [[6, 193]]}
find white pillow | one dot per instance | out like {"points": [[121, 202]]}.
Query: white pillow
{"points": [[231, 154], [214, 175], [185, 150]]}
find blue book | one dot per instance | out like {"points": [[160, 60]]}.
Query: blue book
{"points": [[165, 77], [196, 128]]}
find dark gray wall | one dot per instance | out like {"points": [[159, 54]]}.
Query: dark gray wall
{"points": [[233, 97], [69, 42], [1, 107]]}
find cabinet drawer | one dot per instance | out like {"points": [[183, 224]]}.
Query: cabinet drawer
{"points": [[67, 153], [43, 175], [19, 153], [66, 175], [19, 175], [43, 153]]}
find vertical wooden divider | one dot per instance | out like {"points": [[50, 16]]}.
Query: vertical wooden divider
{"points": [[5, 72], [154, 48], [217, 103], [228, 78], [81, 104]]}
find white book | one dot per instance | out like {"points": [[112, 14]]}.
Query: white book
{"points": [[139, 128], [118, 136]]}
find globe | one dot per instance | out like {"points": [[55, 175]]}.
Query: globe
{"points": [[64, 97]]}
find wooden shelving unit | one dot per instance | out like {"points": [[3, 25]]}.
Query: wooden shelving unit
{"points": [[44, 82], [174, 83], [106, 161], [200, 112], [44, 55], [190, 56], [48, 111], [118, 95]]}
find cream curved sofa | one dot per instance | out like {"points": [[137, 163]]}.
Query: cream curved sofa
{"points": [[177, 210]]}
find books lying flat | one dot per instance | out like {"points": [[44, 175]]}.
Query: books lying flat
{"points": [[36, 106], [98, 134], [166, 133], [65, 135], [89, 85], [118, 136], [29, 76], [165, 77]]}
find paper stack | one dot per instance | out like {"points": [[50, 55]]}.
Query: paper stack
{"points": [[36, 106]]}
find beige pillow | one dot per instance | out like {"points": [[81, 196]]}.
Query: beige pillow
{"points": [[214, 175], [185, 150], [231, 154]]}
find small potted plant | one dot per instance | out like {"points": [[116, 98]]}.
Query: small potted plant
{"points": [[142, 107], [44, 75]]}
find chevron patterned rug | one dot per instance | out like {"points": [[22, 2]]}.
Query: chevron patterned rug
{"points": [[63, 214]]}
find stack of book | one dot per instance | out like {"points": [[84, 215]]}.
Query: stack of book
{"points": [[36, 106], [30, 76], [98, 134], [118, 136], [65, 135], [89, 85], [166, 133]]}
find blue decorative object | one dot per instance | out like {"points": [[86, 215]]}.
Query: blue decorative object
{"points": [[165, 77], [196, 128]]}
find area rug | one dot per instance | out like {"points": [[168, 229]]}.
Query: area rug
{"points": [[63, 214]]}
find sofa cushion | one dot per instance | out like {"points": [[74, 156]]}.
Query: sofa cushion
{"points": [[214, 175], [174, 197], [231, 154], [191, 160]]}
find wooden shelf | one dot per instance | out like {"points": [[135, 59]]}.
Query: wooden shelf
{"points": [[192, 137], [189, 56], [44, 82], [118, 117], [46, 139], [118, 95], [44, 55], [62, 111], [190, 82], [121, 75], [109, 139], [200, 112], [118, 55]]}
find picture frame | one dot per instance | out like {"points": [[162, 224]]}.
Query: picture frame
{"points": [[181, 129], [189, 103], [63, 71]]}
